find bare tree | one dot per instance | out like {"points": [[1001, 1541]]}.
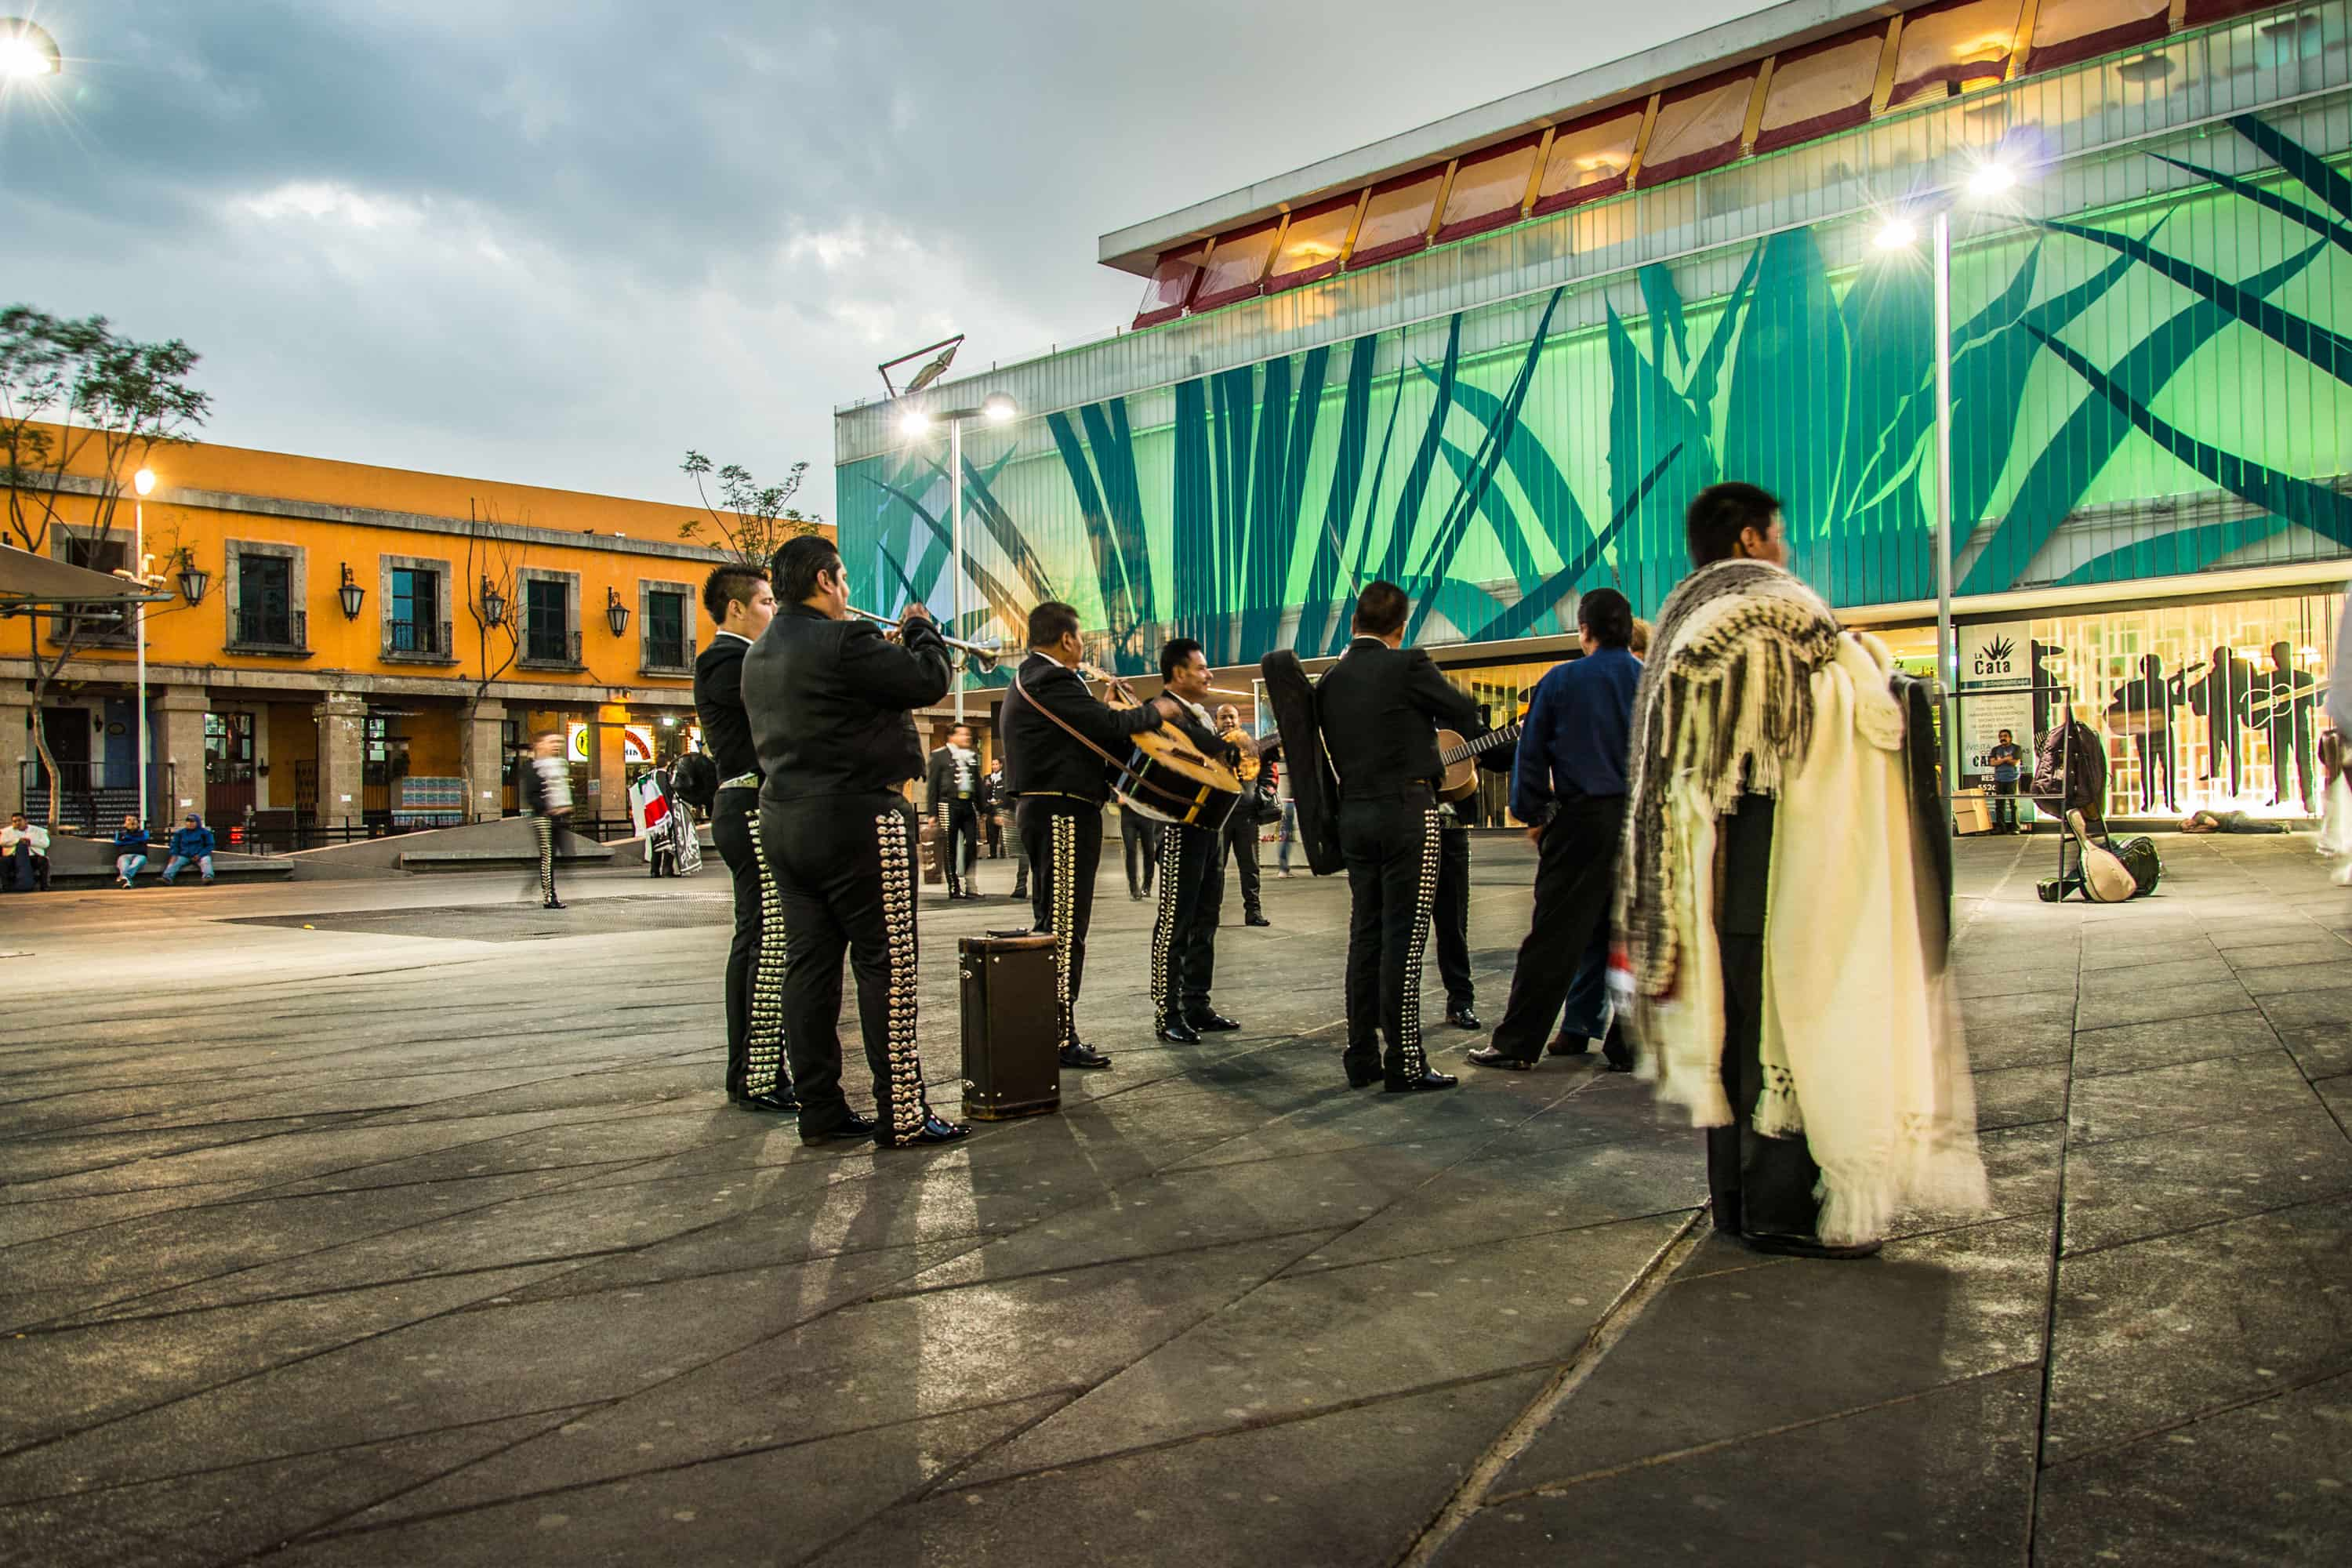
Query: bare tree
{"points": [[79, 399], [751, 520]]}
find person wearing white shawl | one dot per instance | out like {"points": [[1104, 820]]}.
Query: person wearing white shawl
{"points": [[1783, 935]]}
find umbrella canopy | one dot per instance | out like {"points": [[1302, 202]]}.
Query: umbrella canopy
{"points": [[27, 579]]}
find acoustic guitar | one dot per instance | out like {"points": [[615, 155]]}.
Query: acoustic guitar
{"points": [[1460, 759]]}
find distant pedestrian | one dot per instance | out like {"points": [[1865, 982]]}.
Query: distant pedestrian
{"points": [[546, 788], [192, 845], [1284, 835], [2006, 758], [23, 856], [131, 847]]}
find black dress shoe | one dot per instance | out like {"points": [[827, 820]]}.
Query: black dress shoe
{"points": [[1783, 1244], [1464, 1018], [936, 1129], [555, 905], [1177, 1032], [851, 1125], [1210, 1021], [1494, 1056], [1362, 1075], [774, 1099], [1426, 1081], [1258, 921], [1078, 1054], [1614, 1046], [1568, 1046]]}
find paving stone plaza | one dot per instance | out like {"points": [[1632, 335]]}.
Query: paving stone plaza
{"points": [[397, 1223]]}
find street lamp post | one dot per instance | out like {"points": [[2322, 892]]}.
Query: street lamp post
{"points": [[915, 423], [144, 483]]}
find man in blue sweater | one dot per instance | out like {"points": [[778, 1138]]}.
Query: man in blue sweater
{"points": [[192, 844], [1569, 786]]}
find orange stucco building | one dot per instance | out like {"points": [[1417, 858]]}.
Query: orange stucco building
{"points": [[329, 658]]}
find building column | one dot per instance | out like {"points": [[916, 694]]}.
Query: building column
{"points": [[343, 750], [481, 742], [15, 747], [608, 776], [176, 747]]}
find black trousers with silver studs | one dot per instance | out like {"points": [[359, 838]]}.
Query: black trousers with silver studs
{"points": [[1184, 934], [845, 871], [1390, 846], [1062, 836]]}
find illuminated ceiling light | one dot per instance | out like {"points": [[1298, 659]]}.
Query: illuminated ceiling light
{"points": [[998, 409], [27, 52], [1991, 179], [914, 424], [1896, 234]]}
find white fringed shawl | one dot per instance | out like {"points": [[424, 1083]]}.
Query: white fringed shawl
{"points": [[1861, 1048]]}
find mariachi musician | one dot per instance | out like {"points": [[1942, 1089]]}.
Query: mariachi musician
{"points": [[1240, 828], [829, 702], [1191, 876], [1056, 734], [1379, 709], [951, 790]]}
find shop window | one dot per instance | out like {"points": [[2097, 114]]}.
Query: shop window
{"points": [[1313, 243], [1488, 190], [1396, 218], [2065, 31], [1235, 266], [1170, 288], [1699, 126], [1958, 44], [1818, 90], [1589, 158]]}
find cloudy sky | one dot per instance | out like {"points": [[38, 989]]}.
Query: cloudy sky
{"points": [[561, 242]]}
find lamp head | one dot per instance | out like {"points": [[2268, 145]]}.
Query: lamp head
{"points": [[143, 481], [999, 410], [914, 424], [26, 52], [1896, 234]]}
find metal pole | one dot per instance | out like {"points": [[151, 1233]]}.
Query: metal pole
{"points": [[1946, 654], [139, 621], [955, 547]]}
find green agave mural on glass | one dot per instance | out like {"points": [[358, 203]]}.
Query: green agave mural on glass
{"points": [[2094, 365]]}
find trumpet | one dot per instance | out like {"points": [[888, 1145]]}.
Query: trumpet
{"points": [[983, 655]]}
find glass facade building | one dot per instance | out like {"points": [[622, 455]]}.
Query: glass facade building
{"points": [[2150, 365]]}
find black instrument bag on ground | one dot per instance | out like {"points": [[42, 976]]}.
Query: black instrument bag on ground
{"points": [[1313, 791], [1012, 1062], [2140, 859]]}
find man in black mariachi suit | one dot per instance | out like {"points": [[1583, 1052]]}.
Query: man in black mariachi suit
{"points": [[1055, 739], [1191, 876], [828, 699], [741, 604], [952, 794], [1379, 709], [1240, 828]]}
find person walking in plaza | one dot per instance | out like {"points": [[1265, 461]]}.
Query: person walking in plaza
{"points": [[1772, 833], [2006, 758], [1140, 841], [131, 847], [992, 806], [24, 857], [1379, 708], [952, 794], [1191, 876], [741, 602], [191, 845], [1241, 827], [829, 703], [1568, 787], [544, 784], [1056, 739], [1285, 834]]}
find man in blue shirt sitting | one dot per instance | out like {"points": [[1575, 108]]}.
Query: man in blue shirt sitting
{"points": [[1569, 786]]}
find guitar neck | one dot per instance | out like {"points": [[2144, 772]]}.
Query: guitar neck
{"points": [[1486, 742]]}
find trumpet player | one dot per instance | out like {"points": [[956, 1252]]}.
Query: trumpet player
{"points": [[1240, 828]]}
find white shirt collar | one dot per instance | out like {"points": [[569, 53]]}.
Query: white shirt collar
{"points": [[739, 636]]}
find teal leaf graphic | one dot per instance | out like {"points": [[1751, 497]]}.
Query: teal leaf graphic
{"points": [[1416, 478], [1340, 506]]}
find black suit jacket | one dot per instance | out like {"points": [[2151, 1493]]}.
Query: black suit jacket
{"points": [[1379, 709], [828, 702], [1043, 758], [719, 705], [940, 780]]}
